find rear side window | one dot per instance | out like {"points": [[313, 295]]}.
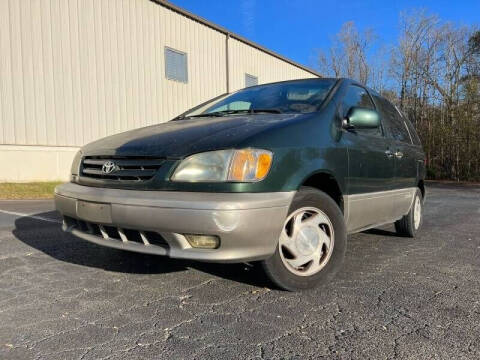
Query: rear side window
{"points": [[394, 121], [357, 96]]}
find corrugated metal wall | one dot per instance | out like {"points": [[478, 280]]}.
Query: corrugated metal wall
{"points": [[247, 59], [72, 71]]}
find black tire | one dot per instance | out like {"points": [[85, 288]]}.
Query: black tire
{"points": [[406, 225], [274, 266]]}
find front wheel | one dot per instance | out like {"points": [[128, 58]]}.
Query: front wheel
{"points": [[312, 245]]}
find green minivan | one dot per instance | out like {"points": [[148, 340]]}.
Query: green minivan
{"points": [[278, 173]]}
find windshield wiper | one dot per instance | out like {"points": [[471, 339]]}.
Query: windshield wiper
{"points": [[231, 112], [212, 114], [252, 111]]}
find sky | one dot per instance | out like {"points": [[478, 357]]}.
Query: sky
{"points": [[298, 28]]}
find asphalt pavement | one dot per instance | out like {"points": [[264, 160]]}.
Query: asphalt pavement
{"points": [[396, 298]]}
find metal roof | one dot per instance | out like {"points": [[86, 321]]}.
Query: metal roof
{"points": [[221, 29]]}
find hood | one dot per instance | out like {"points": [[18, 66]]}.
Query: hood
{"points": [[177, 139]]}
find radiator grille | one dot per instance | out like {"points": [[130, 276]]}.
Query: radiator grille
{"points": [[120, 168]]}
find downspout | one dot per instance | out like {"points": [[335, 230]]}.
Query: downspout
{"points": [[227, 61]]}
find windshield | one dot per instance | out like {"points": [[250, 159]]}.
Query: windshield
{"points": [[304, 96]]}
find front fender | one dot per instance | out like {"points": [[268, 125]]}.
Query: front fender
{"points": [[297, 165]]}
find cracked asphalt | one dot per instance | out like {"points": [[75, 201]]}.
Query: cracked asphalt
{"points": [[64, 298]]}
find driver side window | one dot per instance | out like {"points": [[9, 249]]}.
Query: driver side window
{"points": [[358, 97]]}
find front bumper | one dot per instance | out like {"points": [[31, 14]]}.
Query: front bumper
{"points": [[248, 224]]}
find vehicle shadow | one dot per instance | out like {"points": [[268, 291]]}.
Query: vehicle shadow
{"points": [[48, 237], [381, 232]]}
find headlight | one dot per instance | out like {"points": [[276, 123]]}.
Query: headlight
{"points": [[76, 163], [246, 165]]}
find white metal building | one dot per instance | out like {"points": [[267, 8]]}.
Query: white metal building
{"points": [[72, 71]]}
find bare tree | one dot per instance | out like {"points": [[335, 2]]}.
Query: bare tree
{"points": [[348, 56], [415, 30], [430, 65]]}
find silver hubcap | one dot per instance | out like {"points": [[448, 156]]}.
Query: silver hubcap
{"points": [[417, 213], [307, 240]]}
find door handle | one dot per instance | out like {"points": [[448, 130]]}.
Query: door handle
{"points": [[389, 154], [399, 154]]}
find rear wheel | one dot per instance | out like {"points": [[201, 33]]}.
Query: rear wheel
{"points": [[312, 245], [410, 223]]}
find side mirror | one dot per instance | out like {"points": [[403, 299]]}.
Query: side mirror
{"points": [[361, 118]]}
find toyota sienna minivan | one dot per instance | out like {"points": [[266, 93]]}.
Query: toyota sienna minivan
{"points": [[278, 173]]}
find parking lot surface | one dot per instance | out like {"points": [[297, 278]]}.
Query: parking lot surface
{"points": [[64, 298]]}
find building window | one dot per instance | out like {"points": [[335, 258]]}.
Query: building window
{"points": [[176, 65], [250, 80]]}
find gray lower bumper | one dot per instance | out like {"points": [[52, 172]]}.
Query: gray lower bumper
{"points": [[248, 224]]}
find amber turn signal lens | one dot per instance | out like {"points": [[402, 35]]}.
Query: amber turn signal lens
{"points": [[242, 165], [250, 165], [263, 165]]}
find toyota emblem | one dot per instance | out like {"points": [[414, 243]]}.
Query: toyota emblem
{"points": [[109, 167]]}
